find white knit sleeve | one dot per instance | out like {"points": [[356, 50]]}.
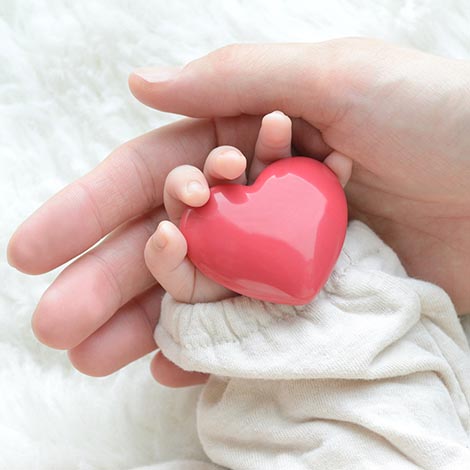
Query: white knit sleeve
{"points": [[379, 357]]}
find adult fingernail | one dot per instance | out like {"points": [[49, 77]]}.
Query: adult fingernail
{"points": [[157, 74]]}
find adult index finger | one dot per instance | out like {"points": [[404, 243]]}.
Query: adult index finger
{"points": [[127, 184]]}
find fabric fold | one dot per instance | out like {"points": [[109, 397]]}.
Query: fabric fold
{"points": [[373, 373]]}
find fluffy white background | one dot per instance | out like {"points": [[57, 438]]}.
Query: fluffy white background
{"points": [[64, 105]]}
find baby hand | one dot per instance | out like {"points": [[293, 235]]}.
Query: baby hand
{"points": [[166, 250]]}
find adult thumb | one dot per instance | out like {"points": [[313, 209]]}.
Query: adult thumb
{"points": [[302, 80]]}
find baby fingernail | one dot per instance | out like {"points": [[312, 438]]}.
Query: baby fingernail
{"points": [[160, 238], [231, 155], [157, 74], [194, 187], [277, 115]]}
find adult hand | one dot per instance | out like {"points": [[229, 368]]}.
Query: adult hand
{"points": [[401, 115]]}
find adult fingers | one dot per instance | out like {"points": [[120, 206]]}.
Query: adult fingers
{"points": [[128, 183], [308, 140], [91, 289], [126, 337], [167, 373], [302, 80], [74, 306]]}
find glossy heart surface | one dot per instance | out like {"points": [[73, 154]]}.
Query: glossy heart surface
{"points": [[276, 240]]}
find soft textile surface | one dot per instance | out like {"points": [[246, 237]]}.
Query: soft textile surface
{"points": [[374, 373], [64, 105]]}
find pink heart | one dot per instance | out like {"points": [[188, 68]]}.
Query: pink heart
{"points": [[276, 240]]}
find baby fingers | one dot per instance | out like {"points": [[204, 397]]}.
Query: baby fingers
{"points": [[225, 164], [274, 142], [341, 165], [184, 186], [165, 257]]}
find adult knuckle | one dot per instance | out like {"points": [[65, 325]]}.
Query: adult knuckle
{"points": [[224, 61]]}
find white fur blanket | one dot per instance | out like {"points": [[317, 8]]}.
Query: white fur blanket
{"points": [[64, 106]]}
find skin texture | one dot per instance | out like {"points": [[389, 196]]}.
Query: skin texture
{"points": [[402, 116]]}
